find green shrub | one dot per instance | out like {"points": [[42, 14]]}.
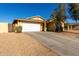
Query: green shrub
{"points": [[18, 29]]}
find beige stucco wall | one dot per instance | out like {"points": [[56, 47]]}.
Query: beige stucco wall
{"points": [[3, 27], [19, 24]]}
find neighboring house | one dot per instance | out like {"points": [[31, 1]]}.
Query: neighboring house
{"points": [[3, 27], [71, 26], [35, 23]]}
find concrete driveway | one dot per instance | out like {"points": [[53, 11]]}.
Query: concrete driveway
{"points": [[66, 44]]}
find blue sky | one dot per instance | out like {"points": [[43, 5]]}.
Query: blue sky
{"points": [[10, 11]]}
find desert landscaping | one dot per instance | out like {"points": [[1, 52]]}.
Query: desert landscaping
{"points": [[20, 44]]}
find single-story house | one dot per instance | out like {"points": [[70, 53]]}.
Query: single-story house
{"points": [[35, 23]]}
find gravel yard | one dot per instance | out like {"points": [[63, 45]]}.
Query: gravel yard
{"points": [[20, 44]]}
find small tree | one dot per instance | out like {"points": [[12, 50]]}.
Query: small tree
{"points": [[59, 16]]}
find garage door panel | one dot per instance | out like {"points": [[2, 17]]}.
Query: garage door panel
{"points": [[30, 27]]}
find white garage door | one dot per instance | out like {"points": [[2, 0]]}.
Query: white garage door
{"points": [[29, 27]]}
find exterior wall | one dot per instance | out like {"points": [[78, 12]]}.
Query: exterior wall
{"points": [[19, 24], [3, 27], [42, 27]]}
